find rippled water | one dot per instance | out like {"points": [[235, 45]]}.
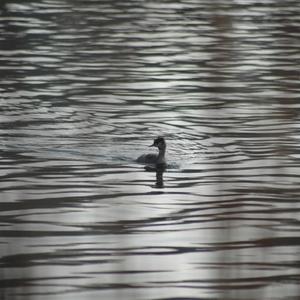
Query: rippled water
{"points": [[85, 87]]}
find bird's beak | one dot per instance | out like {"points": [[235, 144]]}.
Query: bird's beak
{"points": [[152, 145]]}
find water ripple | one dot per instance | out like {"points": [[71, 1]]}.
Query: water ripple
{"points": [[86, 87]]}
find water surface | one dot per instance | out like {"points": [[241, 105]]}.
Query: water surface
{"points": [[85, 87]]}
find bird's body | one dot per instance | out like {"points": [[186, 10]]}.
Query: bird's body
{"points": [[149, 158], [156, 159]]}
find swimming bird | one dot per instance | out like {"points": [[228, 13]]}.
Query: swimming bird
{"points": [[157, 159]]}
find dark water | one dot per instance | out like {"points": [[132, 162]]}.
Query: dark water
{"points": [[85, 87]]}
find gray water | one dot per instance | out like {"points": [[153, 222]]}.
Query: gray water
{"points": [[86, 86]]}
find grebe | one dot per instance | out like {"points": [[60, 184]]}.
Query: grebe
{"points": [[157, 159]]}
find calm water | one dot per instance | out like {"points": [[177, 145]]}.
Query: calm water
{"points": [[86, 86]]}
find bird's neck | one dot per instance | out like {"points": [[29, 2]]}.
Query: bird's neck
{"points": [[161, 156]]}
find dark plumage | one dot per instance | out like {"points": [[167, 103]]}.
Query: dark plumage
{"points": [[155, 158]]}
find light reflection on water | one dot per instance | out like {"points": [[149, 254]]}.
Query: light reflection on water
{"points": [[86, 86]]}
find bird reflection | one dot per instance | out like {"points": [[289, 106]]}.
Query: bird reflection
{"points": [[159, 176], [159, 169]]}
